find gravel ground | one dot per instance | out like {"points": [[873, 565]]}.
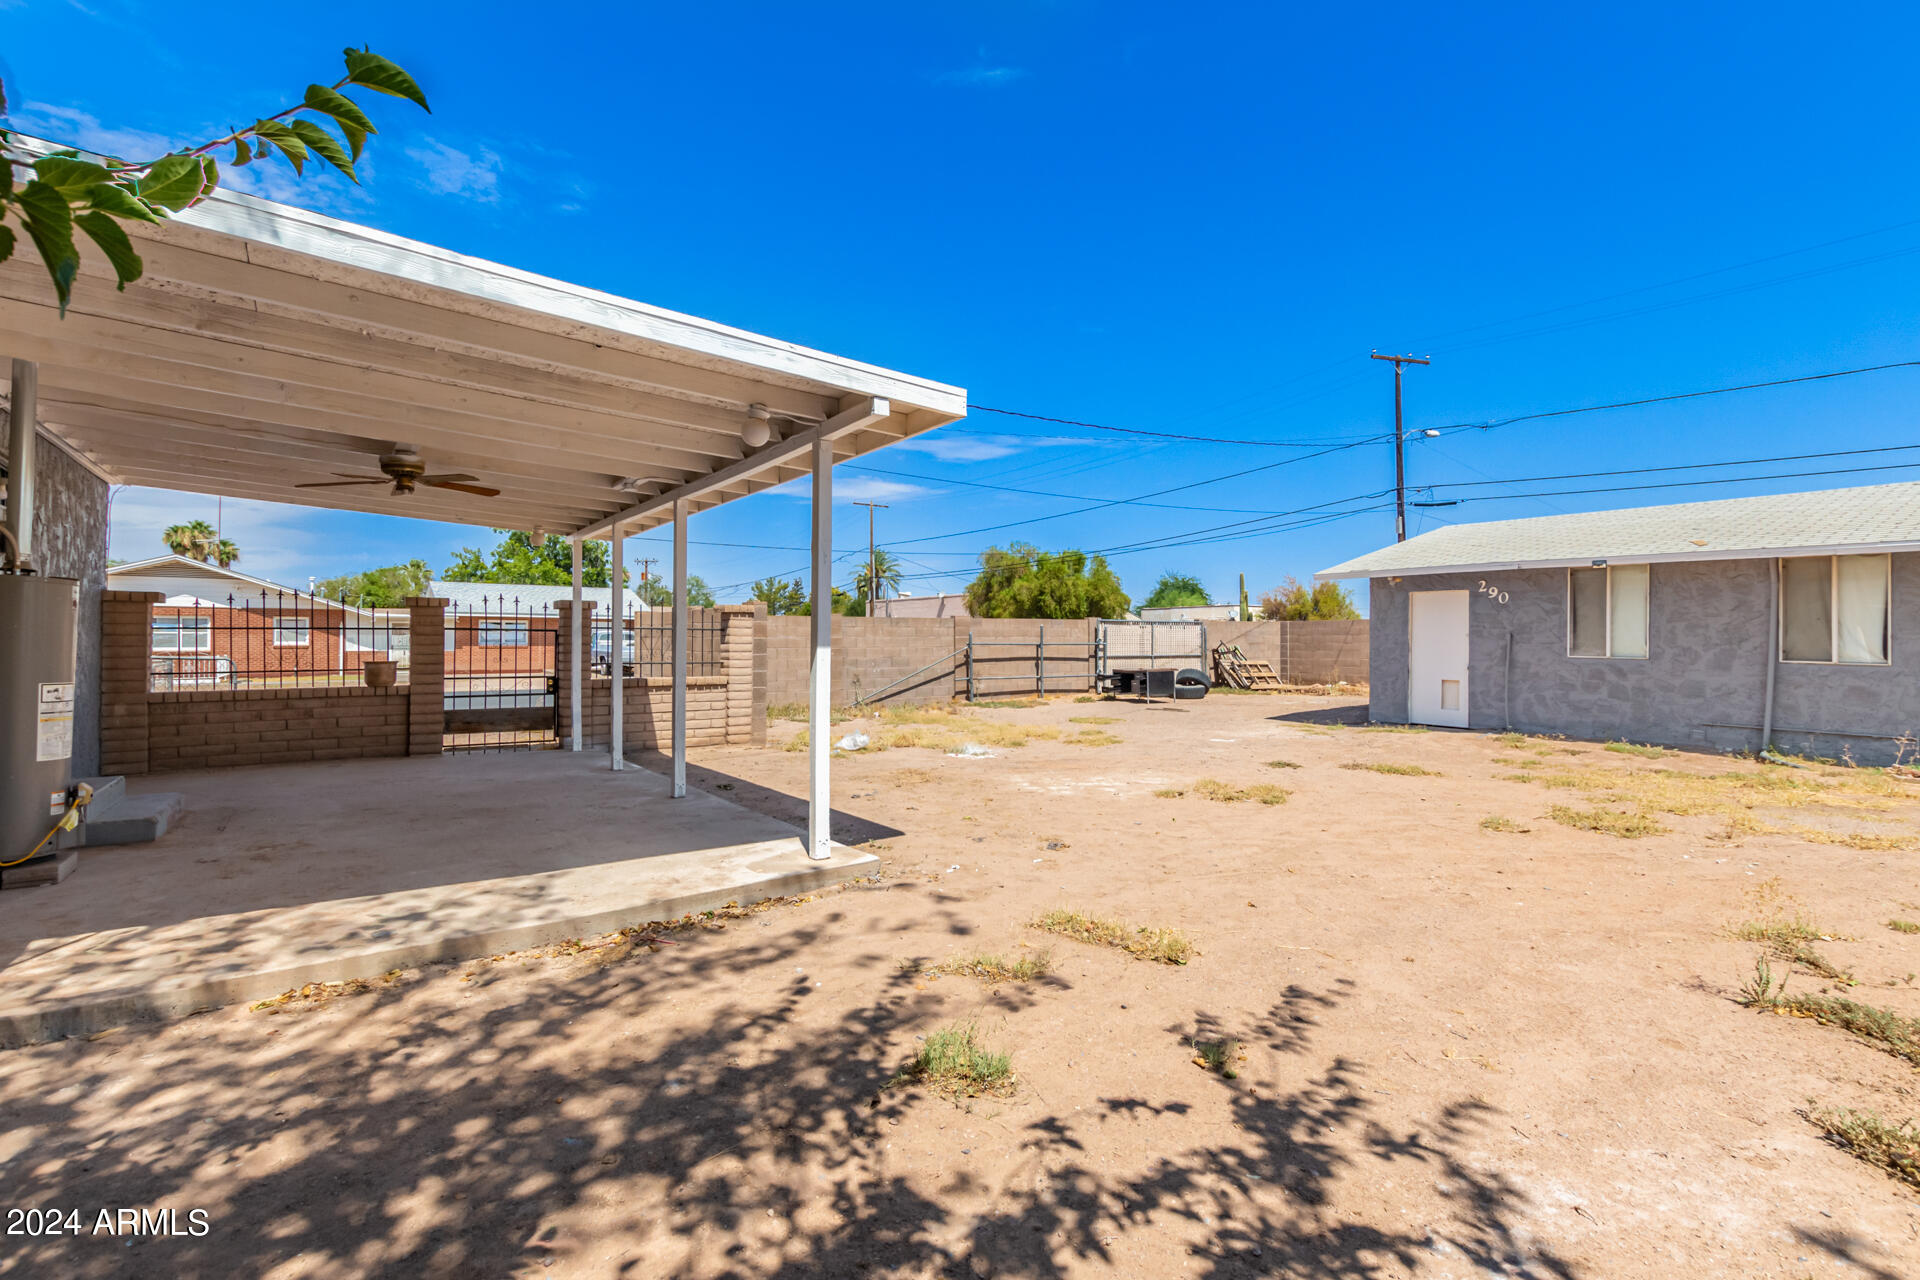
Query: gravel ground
{"points": [[1462, 1051]]}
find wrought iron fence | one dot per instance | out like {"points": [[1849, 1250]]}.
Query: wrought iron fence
{"points": [[273, 639], [500, 681], [647, 644]]}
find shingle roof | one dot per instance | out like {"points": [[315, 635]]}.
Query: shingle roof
{"points": [[517, 597], [1882, 517]]}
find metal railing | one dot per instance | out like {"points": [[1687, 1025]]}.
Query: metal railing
{"points": [[647, 645], [1037, 649], [271, 640], [500, 688]]}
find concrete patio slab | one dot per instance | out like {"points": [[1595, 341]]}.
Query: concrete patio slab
{"points": [[287, 874]]}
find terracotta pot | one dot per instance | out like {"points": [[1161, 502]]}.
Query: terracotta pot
{"points": [[381, 675]]}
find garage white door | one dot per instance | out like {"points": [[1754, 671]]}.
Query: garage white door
{"points": [[1437, 658]]}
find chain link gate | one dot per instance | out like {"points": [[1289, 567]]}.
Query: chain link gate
{"points": [[502, 688]]}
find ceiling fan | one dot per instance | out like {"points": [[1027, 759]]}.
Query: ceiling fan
{"points": [[406, 468]]}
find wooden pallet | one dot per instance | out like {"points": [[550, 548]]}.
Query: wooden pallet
{"points": [[1235, 668]]}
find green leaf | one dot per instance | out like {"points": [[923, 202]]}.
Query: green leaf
{"points": [[340, 107], [210, 177], [286, 140], [68, 176], [49, 222], [324, 145], [371, 71], [6, 243], [242, 153], [173, 181], [356, 137], [113, 241], [117, 200]]}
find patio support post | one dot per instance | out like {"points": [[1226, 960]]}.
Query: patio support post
{"points": [[573, 675], [820, 685], [23, 412], [680, 513], [616, 658]]}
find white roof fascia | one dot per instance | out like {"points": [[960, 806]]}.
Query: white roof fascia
{"points": [[1338, 573]]}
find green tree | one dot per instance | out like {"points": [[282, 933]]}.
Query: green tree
{"points": [[781, 595], [885, 570], [194, 539], [516, 559], [68, 192], [1024, 582], [1294, 601], [386, 588], [1176, 590], [224, 553], [657, 593]]}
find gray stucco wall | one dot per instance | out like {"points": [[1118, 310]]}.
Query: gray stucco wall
{"points": [[70, 541], [1702, 685]]}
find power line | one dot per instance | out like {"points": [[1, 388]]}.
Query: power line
{"points": [[1043, 493], [1680, 395], [1683, 466], [1683, 484]]}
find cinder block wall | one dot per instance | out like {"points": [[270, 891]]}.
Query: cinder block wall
{"points": [[215, 728], [1301, 652], [726, 708], [143, 732], [870, 653]]}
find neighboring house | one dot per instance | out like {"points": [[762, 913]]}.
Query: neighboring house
{"points": [[222, 627], [1689, 625], [1189, 613], [947, 606], [495, 627]]}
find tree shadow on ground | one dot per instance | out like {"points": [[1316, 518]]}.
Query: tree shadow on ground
{"points": [[476, 1138]]}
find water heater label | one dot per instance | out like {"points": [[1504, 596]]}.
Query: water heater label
{"points": [[56, 722]]}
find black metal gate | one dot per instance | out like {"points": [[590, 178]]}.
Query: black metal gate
{"points": [[501, 680]]}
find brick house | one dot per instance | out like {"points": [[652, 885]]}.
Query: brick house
{"points": [[220, 627]]}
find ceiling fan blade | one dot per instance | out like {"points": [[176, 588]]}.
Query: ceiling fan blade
{"points": [[456, 476], [481, 490], [339, 484]]}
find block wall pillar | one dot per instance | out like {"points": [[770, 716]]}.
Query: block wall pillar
{"points": [[426, 675], [126, 643]]}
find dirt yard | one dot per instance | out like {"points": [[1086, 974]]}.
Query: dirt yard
{"points": [[1479, 998]]}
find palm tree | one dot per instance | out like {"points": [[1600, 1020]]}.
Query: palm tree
{"points": [[885, 572], [225, 553], [194, 539]]}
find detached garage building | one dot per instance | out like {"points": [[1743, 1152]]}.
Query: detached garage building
{"points": [[1793, 618]]}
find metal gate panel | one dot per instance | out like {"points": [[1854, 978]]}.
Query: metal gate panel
{"points": [[501, 683]]}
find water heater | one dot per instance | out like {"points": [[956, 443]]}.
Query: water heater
{"points": [[39, 635]]}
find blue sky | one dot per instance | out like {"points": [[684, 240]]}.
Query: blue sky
{"points": [[1128, 214]]}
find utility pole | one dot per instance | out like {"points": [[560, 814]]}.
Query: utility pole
{"points": [[1400, 446], [873, 588], [646, 571]]}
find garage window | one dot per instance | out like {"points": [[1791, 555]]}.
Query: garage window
{"points": [[1835, 609], [1608, 614]]}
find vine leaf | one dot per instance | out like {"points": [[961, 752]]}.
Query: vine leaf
{"points": [[174, 182], [109, 197], [113, 241], [324, 145], [371, 71], [49, 223], [346, 113], [286, 140], [68, 176]]}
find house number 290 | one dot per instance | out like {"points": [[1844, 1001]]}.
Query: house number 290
{"points": [[1492, 593]]}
